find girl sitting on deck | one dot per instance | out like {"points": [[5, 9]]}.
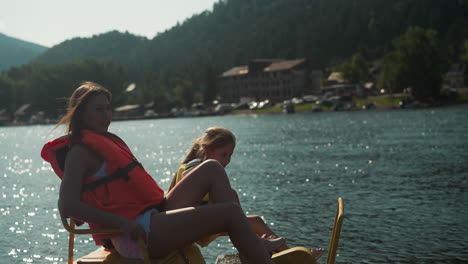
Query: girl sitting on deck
{"points": [[104, 185], [218, 143]]}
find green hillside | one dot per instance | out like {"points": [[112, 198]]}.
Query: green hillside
{"points": [[15, 52], [122, 47], [234, 32]]}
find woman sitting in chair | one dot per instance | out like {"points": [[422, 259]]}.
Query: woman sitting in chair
{"points": [[104, 185]]}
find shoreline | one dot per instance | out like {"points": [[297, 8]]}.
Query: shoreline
{"points": [[309, 108], [362, 104]]}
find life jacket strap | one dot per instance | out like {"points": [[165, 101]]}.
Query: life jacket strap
{"points": [[120, 173], [192, 163]]}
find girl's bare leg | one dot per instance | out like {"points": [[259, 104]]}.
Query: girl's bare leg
{"points": [[262, 229], [317, 252], [259, 226], [210, 177], [178, 227]]}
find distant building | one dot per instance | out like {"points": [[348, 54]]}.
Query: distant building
{"points": [[23, 113], [273, 79], [128, 111], [457, 76], [4, 117], [335, 78], [343, 90]]}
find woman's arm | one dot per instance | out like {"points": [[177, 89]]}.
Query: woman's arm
{"points": [[78, 162]]}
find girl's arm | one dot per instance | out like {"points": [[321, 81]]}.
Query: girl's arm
{"points": [[77, 164]]}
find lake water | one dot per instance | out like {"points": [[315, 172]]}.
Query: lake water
{"points": [[403, 176]]}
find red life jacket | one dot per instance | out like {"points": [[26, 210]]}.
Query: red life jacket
{"points": [[126, 190]]}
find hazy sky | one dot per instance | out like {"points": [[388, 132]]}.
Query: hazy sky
{"points": [[49, 22]]}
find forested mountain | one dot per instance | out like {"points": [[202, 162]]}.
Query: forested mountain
{"points": [[15, 52], [122, 47], [181, 64], [236, 31], [322, 30]]}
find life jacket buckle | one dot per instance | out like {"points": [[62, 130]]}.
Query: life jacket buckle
{"points": [[122, 173]]}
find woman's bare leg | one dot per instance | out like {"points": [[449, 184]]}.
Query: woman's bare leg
{"points": [[178, 227]]}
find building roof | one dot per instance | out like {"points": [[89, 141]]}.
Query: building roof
{"points": [[283, 65], [369, 85], [126, 108], [239, 70], [276, 65], [22, 109], [336, 76]]}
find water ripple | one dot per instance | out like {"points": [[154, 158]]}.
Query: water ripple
{"points": [[403, 175]]}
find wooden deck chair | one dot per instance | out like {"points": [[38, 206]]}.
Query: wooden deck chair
{"points": [[335, 237], [188, 255]]}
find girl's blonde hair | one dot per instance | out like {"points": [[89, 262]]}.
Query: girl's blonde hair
{"points": [[76, 103], [212, 138]]}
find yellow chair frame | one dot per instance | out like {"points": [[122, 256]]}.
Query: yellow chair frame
{"points": [[177, 256], [301, 255], [335, 237], [70, 227], [293, 254]]}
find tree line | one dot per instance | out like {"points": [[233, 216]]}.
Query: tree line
{"points": [[180, 65], [416, 63]]}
